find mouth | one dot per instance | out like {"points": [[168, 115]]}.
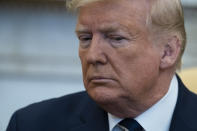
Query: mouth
{"points": [[100, 79]]}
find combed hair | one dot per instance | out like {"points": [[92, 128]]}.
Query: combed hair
{"points": [[74, 5], [166, 16]]}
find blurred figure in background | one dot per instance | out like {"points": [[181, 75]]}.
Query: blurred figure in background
{"points": [[129, 51]]}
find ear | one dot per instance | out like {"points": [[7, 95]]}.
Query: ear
{"points": [[170, 52]]}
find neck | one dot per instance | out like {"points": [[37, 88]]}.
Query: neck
{"points": [[128, 108]]}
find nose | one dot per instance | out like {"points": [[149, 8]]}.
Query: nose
{"points": [[96, 53]]}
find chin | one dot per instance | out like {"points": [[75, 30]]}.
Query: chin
{"points": [[109, 100], [103, 96]]}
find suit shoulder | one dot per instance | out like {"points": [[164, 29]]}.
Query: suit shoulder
{"points": [[191, 100], [69, 105], [60, 102], [53, 114]]}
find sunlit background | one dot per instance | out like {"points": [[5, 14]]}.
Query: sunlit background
{"points": [[39, 52]]}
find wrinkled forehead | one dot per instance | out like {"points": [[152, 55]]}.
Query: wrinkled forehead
{"points": [[138, 5], [77, 4], [112, 9]]}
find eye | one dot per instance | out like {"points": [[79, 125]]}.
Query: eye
{"points": [[117, 38], [85, 38]]}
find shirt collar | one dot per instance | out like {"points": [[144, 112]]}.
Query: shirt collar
{"points": [[159, 115], [113, 121]]}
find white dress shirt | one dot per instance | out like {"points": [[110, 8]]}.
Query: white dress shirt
{"points": [[156, 118]]}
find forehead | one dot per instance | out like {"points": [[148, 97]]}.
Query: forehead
{"points": [[116, 12]]}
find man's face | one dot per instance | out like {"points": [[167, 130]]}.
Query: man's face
{"points": [[119, 60]]}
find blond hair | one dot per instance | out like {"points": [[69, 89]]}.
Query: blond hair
{"points": [[76, 4], [165, 16]]}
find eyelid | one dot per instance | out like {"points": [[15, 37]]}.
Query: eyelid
{"points": [[121, 37], [84, 36], [84, 39], [116, 36]]}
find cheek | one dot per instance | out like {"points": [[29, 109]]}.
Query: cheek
{"points": [[82, 56], [83, 62], [138, 69]]}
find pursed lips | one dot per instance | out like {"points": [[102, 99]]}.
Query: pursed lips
{"points": [[100, 79]]}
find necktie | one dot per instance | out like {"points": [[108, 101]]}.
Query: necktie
{"points": [[131, 125]]}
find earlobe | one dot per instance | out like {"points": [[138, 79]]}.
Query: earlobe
{"points": [[170, 53]]}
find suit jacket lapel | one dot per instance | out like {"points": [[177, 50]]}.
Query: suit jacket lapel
{"points": [[184, 117], [92, 118]]}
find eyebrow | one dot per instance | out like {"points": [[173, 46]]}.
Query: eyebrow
{"points": [[110, 30], [104, 29], [82, 30]]}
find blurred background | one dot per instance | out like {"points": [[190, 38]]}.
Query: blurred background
{"points": [[39, 52]]}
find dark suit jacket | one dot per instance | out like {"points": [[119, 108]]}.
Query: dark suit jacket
{"points": [[77, 112]]}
